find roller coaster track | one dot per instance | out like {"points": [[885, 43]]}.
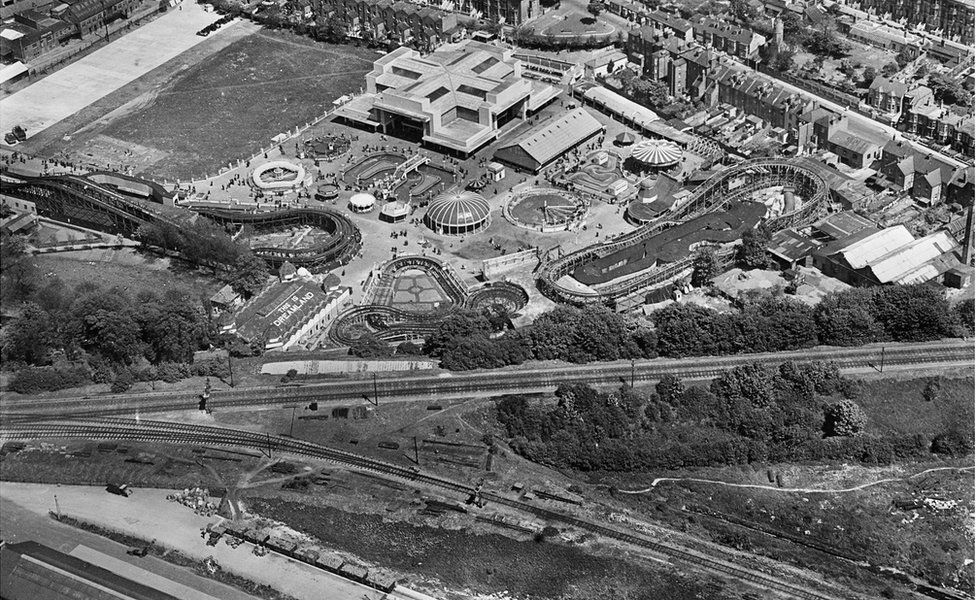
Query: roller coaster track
{"points": [[166, 432], [748, 177], [343, 242], [82, 201], [393, 324], [482, 383]]}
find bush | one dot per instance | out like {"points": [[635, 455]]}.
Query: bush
{"points": [[123, 381], [49, 379], [171, 372], [952, 443], [845, 418]]}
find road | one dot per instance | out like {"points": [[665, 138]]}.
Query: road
{"points": [[23, 517], [454, 385]]}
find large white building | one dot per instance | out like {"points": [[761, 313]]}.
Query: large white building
{"points": [[455, 99]]}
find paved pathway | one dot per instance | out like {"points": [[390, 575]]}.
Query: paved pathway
{"points": [[104, 71]]}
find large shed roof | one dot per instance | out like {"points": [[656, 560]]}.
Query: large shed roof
{"points": [[550, 140]]}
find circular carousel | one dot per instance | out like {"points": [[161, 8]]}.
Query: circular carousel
{"points": [[546, 209], [654, 156], [458, 212]]}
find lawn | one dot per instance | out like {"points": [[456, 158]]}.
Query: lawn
{"points": [[126, 269], [232, 103], [899, 406]]}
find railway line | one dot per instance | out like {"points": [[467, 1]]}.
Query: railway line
{"points": [[467, 384], [167, 432]]}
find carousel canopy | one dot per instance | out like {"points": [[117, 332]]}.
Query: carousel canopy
{"points": [[626, 138], [657, 152], [362, 200], [458, 209]]}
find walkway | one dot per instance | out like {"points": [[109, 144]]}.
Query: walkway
{"points": [[104, 71], [773, 488]]}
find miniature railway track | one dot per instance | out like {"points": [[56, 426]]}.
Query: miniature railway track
{"points": [[167, 432], [468, 384]]}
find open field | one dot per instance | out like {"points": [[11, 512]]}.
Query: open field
{"points": [[899, 406], [126, 269], [236, 100]]}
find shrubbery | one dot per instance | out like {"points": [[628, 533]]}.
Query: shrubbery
{"points": [[750, 413], [48, 379]]}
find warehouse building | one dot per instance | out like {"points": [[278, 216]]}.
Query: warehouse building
{"points": [[888, 256], [549, 141]]}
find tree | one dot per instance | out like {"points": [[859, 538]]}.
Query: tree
{"points": [[105, 323], [913, 313], [123, 381], [845, 319], [845, 418], [369, 346], [705, 267], [949, 90], [825, 44], [889, 70], [685, 330], [249, 275], [654, 93], [31, 337], [173, 328], [595, 8], [903, 57], [783, 61], [869, 75], [751, 254], [670, 389]]}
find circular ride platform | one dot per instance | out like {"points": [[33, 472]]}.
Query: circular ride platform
{"points": [[546, 210]]}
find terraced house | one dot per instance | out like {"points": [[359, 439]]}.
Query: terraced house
{"points": [[422, 27], [954, 18], [90, 16]]}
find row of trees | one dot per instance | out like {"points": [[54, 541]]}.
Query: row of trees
{"points": [[203, 242], [751, 413], [849, 318], [477, 340], [766, 323]]}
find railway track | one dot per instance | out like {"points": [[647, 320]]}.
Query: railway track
{"points": [[167, 432], [467, 384]]}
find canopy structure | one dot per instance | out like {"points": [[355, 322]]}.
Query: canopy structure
{"points": [[657, 154], [457, 212], [362, 202], [626, 138]]}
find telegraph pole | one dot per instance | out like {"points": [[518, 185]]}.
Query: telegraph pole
{"points": [[376, 393], [633, 368], [882, 358]]}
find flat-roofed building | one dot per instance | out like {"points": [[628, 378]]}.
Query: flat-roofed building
{"points": [[455, 99]]}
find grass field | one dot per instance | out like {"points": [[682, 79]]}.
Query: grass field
{"points": [[126, 269], [232, 103], [899, 406]]}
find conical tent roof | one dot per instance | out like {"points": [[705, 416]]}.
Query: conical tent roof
{"points": [[657, 152], [626, 138]]}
